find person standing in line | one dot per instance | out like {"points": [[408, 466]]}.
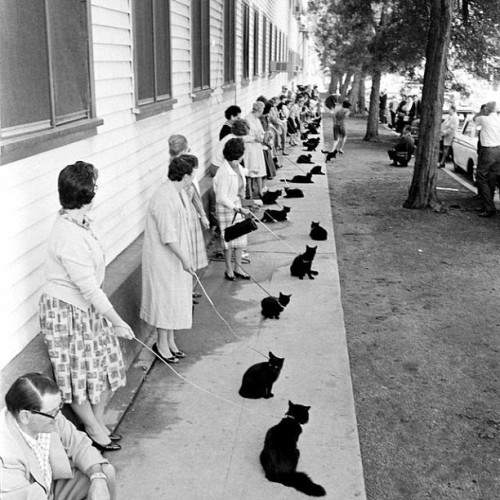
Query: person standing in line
{"points": [[383, 107], [255, 163], [229, 187], [78, 322], [42, 454], [232, 114], [167, 271], [488, 166], [448, 131], [178, 145]]}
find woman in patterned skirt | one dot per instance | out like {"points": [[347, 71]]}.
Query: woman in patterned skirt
{"points": [[229, 187], [78, 322]]}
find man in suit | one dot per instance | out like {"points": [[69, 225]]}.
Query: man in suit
{"points": [[42, 455]]}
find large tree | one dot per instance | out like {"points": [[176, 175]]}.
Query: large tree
{"points": [[467, 32]]}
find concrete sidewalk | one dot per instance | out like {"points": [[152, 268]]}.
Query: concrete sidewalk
{"points": [[182, 443]]}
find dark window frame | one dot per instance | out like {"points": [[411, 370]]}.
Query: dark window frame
{"points": [[264, 43], [200, 48], [157, 71], [56, 128], [229, 42], [245, 41], [256, 33], [271, 34]]}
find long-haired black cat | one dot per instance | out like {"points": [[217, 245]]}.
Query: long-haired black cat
{"points": [[318, 233], [280, 455], [301, 265], [258, 380], [272, 307], [294, 193], [300, 179], [276, 215], [270, 197]]}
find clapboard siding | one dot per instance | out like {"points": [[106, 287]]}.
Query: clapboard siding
{"points": [[131, 155]]}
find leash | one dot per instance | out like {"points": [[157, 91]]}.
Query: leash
{"points": [[206, 391], [274, 234], [227, 324], [254, 280]]}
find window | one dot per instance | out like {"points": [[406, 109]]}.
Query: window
{"points": [[229, 45], [271, 32], [246, 41], [152, 51], [200, 44], [264, 43], [45, 74], [256, 43]]}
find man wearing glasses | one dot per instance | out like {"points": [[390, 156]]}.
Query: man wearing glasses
{"points": [[42, 454]]}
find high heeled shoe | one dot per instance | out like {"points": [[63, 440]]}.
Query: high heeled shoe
{"points": [[114, 436], [230, 278], [111, 446], [171, 360]]}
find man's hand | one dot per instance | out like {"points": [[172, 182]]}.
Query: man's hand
{"points": [[98, 490]]}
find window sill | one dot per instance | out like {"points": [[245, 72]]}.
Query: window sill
{"points": [[155, 108], [199, 95], [227, 87], [18, 148]]}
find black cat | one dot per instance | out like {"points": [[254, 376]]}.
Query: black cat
{"points": [[317, 170], [273, 306], [294, 193], [258, 380], [304, 159], [311, 144], [301, 265], [300, 179], [318, 233], [280, 455], [276, 215], [270, 197]]}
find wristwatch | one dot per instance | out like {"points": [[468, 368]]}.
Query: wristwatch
{"points": [[98, 475]]}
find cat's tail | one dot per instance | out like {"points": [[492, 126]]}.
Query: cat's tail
{"points": [[303, 483]]}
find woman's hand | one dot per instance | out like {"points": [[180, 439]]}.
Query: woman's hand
{"points": [[124, 331], [205, 222], [186, 265], [243, 211]]}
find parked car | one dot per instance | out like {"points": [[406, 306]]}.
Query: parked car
{"points": [[465, 149], [463, 113]]}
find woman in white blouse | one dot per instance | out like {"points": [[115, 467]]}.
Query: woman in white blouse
{"points": [[229, 187]]}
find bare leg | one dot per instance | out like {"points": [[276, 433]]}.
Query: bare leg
{"points": [[93, 428], [228, 261], [99, 408], [163, 342]]}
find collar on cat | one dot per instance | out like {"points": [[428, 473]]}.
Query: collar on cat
{"points": [[289, 416]]}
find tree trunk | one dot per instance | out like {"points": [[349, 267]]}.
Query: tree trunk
{"points": [[373, 113], [345, 85], [422, 193], [362, 93], [354, 93], [334, 80]]}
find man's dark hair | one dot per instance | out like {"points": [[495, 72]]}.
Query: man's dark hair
{"points": [[232, 111], [76, 185], [233, 149], [179, 167], [27, 391]]}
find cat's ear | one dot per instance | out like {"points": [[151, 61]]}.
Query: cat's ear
{"points": [[307, 408], [271, 355]]}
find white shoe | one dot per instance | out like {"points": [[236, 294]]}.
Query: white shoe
{"points": [[245, 255]]}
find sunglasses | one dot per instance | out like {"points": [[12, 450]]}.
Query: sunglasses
{"points": [[53, 414]]}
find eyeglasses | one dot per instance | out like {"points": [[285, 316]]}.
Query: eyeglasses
{"points": [[53, 414]]}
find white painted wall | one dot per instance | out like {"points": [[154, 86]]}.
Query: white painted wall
{"points": [[131, 155]]}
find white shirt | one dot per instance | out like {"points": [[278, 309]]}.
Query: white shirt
{"points": [[490, 130]]}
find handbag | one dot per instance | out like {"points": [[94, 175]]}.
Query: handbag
{"points": [[239, 229]]}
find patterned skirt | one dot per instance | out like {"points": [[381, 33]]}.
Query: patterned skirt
{"points": [[83, 348], [225, 218], [197, 247]]}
